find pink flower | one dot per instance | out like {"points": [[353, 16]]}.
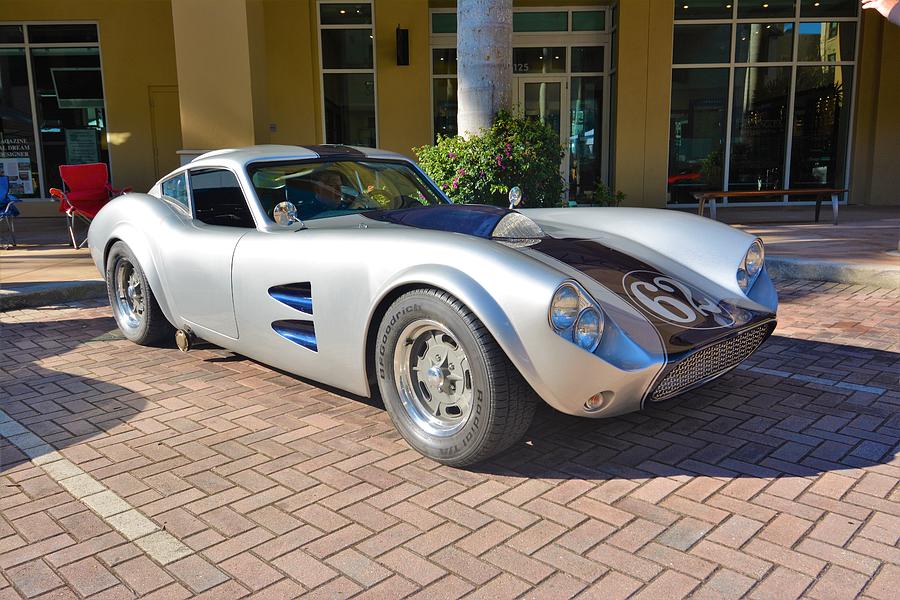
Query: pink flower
{"points": [[451, 155]]}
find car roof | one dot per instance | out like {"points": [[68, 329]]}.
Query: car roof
{"points": [[240, 157]]}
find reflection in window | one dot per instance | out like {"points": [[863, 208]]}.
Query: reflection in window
{"points": [[347, 48], [586, 139], [349, 108], [828, 8], [764, 42], [758, 129], [539, 60], [346, 13], [821, 125], [443, 61], [697, 44], [587, 59], [540, 21], [70, 113], [826, 41], [697, 131], [445, 106], [765, 9], [703, 9], [18, 155]]}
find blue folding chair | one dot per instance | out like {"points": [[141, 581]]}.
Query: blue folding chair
{"points": [[8, 211]]}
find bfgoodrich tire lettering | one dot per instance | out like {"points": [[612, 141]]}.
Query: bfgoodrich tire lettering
{"points": [[133, 304], [471, 403]]}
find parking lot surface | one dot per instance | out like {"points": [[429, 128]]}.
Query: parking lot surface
{"points": [[144, 472]]}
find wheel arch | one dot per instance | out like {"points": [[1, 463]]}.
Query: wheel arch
{"points": [[465, 289], [137, 243]]}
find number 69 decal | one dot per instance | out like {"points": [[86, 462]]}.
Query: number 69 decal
{"points": [[674, 302]]}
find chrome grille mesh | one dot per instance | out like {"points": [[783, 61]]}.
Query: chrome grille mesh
{"points": [[711, 361]]}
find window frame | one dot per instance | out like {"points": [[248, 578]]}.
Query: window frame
{"points": [[28, 45], [794, 64], [323, 71]]}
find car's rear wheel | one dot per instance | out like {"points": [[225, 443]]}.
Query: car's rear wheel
{"points": [[449, 388], [135, 308]]}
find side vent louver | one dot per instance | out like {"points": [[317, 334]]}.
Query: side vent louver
{"points": [[299, 332], [296, 295]]}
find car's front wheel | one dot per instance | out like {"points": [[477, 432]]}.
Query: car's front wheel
{"points": [[135, 308], [449, 388]]}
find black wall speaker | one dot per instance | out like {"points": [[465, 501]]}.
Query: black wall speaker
{"points": [[402, 46]]}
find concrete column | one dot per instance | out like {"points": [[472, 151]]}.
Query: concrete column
{"points": [[220, 58], [644, 87]]}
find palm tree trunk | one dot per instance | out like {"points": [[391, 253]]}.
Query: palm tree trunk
{"points": [[484, 62]]}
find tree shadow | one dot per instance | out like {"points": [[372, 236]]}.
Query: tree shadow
{"points": [[796, 407], [63, 407]]}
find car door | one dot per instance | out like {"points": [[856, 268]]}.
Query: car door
{"points": [[198, 259]]}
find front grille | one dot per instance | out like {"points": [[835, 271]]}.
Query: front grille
{"points": [[711, 361]]}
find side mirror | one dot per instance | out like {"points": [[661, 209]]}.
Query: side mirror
{"points": [[515, 196], [285, 213]]}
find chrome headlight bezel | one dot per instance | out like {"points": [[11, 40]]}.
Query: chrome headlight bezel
{"points": [[586, 307], [751, 265]]}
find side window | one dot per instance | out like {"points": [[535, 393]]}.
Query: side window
{"points": [[175, 189], [218, 199]]}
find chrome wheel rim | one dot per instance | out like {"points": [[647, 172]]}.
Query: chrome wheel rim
{"points": [[433, 378], [129, 294]]}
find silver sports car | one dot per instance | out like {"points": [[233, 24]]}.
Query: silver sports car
{"points": [[350, 267]]}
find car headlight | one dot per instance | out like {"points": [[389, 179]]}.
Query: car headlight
{"points": [[588, 329], [564, 307], [752, 265], [576, 317]]}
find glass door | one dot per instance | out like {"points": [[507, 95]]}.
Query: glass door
{"points": [[546, 99]]}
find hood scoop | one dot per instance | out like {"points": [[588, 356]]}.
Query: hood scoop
{"points": [[518, 231]]}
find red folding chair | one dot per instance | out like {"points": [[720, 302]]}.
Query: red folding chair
{"points": [[86, 190]]}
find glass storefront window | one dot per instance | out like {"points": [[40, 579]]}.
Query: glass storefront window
{"points": [[539, 60], [443, 61], [348, 98], [347, 48], [699, 44], [828, 8], [62, 33], [588, 20], [764, 42], [703, 9], [586, 139], [540, 21], [350, 108], [821, 126], [697, 131], [443, 22], [18, 154], [445, 106], [587, 59], [346, 14], [765, 9], [70, 113], [11, 34], [829, 41], [759, 127]]}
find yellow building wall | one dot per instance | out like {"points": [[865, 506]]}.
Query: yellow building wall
{"points": [[644, 83], [404, 92], [874, 174], [137, 51]]}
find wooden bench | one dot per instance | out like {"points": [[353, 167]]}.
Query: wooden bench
{"points": [[820, 194]]}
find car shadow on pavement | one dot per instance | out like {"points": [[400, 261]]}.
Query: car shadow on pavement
{"points": [[43, 388], [796, 407]]}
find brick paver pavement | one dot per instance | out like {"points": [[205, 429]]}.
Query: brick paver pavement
{"points": [[780, 480]]}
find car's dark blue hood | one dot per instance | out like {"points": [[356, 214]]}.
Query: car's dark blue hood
{"points": [[472, 219]]}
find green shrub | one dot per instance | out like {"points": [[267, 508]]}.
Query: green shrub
{"points": [[604, 196], [482, 169]]}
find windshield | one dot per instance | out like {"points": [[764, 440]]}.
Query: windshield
{"points": [[332, 188]]}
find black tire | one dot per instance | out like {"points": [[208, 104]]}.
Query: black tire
{"points": [[502, 403], [147, 326]]}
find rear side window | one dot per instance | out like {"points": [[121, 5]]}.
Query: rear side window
{"points": [[175, 189], [218, 199]]}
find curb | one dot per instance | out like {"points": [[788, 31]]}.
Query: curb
{"points": [[47, 294], [881, 276]]}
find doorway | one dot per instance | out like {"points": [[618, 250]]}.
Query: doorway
{"points": [[546, 99]]}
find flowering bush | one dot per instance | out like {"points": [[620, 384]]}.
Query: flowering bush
{"points": [[514, 151]]}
